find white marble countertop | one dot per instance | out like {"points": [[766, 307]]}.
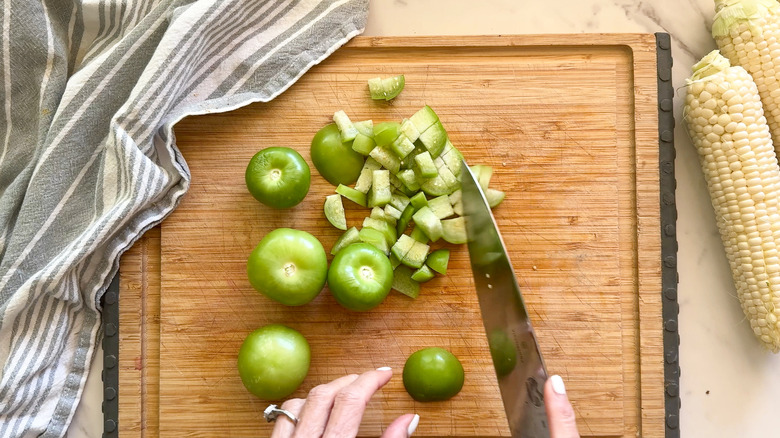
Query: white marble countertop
{"points": [[729, 386]]}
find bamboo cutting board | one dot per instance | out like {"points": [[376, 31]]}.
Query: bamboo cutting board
{"points": [[569, 125]]}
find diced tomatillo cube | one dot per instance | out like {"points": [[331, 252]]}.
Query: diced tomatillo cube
{"points": [[441, 206], [353, 195], [426, 166], [402, 282], [402, 246], [392, 212], [419, 200], [396, 183], [409, 179], [425, 219], [393, 86], [347, 129], [367, 175], [380, 193], [379, 213], [409, 130], [442, 184], [399, 201], [494, 197], [454, 230], [386, 132], [394, 262], [375, 238], [365, 127], [386, 158], [456, 196], [402, 146], [424, 118], [452, 157], [438, 260], [423, 274], [334, 211], [416, 256], [419, 235], [434, 139], [403, 221], [363, 144], [383, 226], [482, 174], [376, 89], [349, 237]]}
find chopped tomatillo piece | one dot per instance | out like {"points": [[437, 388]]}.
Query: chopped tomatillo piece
{"points": [[365, 127], [346, 128], [454, 230], [409, 179], [419, 201], [425, 163], [380, 193], [434, 139], [426, 219], [375, 238], [409, 130], [416, 256], [334, 211], [349, 237], [438, 260], [380, 225], [402, 282], [423, 274], [353, 195], [494, 197], [402, 246], [401, 146], [363, 144], [376, 89], [419, 235], [386, 132], [392, 212], [367, 175], [441, 206], [424, 118], [403, 221], [393, 86], [386, 158]]}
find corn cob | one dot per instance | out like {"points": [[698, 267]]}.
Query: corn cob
{"points": [[725, 121], [748, 34]]}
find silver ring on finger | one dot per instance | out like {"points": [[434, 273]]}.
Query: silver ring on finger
{"points": [[272, 412]]}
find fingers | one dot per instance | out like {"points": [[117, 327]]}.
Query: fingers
{"points": [[319, 402], [284, 427], [350, 403], [560, 413], [403, 426]]}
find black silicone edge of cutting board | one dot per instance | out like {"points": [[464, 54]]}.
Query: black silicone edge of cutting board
{"points": [[669, 279], [110, 372], [669, 275]]}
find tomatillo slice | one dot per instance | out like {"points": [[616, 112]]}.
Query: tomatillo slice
{"points": [[360, 277], [288, 266], [273, 361], [278, 177], [433, 374], [334, 159]]}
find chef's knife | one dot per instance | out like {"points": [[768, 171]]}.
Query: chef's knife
{"points": [[515, 352]]}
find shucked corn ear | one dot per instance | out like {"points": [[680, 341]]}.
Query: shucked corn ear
{"points": [[726, 123], [748, 34]]}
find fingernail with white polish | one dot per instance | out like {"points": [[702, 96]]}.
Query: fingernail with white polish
{"points": [[413, 425], [384, 369], [557, 385]]}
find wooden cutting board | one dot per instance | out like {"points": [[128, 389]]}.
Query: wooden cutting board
{"points": [[569, 124]]}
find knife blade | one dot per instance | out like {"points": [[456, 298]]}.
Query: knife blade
{"points": [[518, 362]]}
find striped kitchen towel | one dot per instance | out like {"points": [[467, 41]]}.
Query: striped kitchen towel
{"points": [[91, 90]]}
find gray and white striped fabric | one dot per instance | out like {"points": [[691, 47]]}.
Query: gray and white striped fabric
{"points": [[88, 161]]}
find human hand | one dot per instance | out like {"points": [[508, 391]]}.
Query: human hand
{"points": [[336, 409], [560, 414]]}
